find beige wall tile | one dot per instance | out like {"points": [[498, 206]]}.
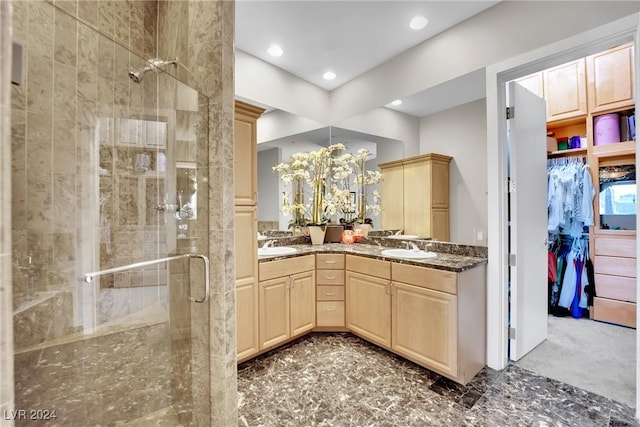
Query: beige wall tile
{"points": [[88, 11], [65, 37]]}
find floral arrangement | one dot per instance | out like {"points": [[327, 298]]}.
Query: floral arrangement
{"points": [[328, 175], [320, 170], [363, 178]]}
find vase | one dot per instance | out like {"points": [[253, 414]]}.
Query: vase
{"points": [[364, 227], [316, 232], [333, 233]]}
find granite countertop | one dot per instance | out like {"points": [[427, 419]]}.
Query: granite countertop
{"points": [[451, 257]]}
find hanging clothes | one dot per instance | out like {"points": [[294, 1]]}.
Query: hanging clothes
{"points": [[572, 291], [570, 194]]}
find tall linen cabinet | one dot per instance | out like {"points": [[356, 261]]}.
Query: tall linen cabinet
{"points": [[415, 195], [246, 228]]}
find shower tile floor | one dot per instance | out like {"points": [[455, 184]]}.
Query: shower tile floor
{"points": [[341, 380]]}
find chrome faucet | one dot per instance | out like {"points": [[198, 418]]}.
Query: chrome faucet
{"points": [[268, 244], [411, 245]]}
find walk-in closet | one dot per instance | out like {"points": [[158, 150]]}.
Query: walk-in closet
{"points": [[591, 206]]}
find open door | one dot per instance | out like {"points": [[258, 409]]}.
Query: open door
{"points": [[528, 218]]}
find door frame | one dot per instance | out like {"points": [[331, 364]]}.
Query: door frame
{"points": [[497, 75]]}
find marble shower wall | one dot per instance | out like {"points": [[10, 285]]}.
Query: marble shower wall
{"points": [[6, 321], [53, 174], [201, 34], [75, 85], [72, 120]]}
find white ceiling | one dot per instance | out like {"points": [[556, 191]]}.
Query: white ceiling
{"points": [[347, 37], [352, 37]]}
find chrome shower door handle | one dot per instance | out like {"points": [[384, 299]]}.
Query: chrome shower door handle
{"points": [[88, 277], [207, 283]]}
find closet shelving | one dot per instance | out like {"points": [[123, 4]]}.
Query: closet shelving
{"points": [[576, 94]]}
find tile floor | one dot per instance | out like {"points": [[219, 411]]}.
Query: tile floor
{"points": [[341, 380]]}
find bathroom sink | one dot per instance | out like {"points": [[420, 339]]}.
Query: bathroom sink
{"points": [[276, 250], [404, 236], [408, 254]]}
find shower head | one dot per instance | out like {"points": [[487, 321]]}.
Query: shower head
{"points": [[137, 76], [155, 64]]}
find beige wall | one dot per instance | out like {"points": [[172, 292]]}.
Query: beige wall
{"points": [[6, 320], [461, 133]]}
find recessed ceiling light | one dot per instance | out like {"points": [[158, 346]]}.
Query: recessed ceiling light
{"points": [[329, 75], [396, 102], [418, 22], [275, 50]]}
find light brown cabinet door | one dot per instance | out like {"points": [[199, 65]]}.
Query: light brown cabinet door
{"points": [[244, 161], [392, 198], [369, 307], [534, 83], [610, 78], [274, 311], [245, 158], [565, 90], [246, 282], [417, 198], [425, 327], [440, 224], [439, 180], [247, 337], [302, 295], [246, 244]]}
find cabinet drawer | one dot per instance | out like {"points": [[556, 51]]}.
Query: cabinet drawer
{"points": [[615, 266], [612, 311], [369, 266], [616, 247], [616, 287], [438, 280], [335, 261], [330, 277], [330, 293], [330, 313], [285, 267]]}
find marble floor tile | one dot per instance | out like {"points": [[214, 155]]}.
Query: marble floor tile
{"points": [[341, 380]]}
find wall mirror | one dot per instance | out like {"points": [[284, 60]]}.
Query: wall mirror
{"points": [[281, 134]]}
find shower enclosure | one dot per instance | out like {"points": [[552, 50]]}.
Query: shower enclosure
{"points": [[109, 228]]}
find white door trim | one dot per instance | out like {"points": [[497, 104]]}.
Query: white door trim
{"points": [[595, 40]]}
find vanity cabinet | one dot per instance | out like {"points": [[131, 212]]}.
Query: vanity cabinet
{"points": [[369, 299], [330, 291], [424, 184], [245, 230], [439, 319], [287, 303], [435, 318]]}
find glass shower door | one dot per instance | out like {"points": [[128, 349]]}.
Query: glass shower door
{"points": [[115, 184]]}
